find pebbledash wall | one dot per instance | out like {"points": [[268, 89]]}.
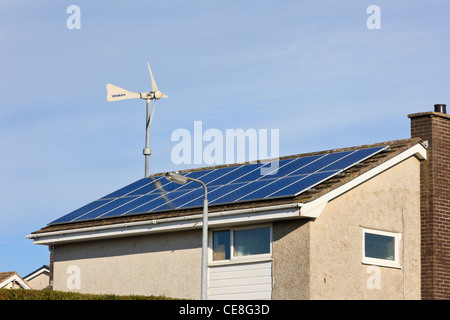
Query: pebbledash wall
{"points": [[389, 202], [322, 259], [312, 258], [157, 264]]}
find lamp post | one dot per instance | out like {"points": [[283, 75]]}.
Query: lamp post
{"points": [[177, 178]]}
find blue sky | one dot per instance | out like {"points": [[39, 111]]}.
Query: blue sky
{"points": [[311, 69]]}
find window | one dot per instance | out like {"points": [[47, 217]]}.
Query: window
{"points": [[251, 241], [381, 248], [221, 245], [236, 243]]}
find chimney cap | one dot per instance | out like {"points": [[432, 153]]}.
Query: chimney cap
{"points": [[440, 108]]}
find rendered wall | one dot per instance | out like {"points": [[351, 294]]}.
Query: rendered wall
{"points": [[388, 202], [39, 282], [142, 265], [291, 260]]}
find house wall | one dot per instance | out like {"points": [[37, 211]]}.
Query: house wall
{"points": [[12, 285], [159, 264], [389, 202], [291, 260], [312, 259], [40, 281], [154, 264]]}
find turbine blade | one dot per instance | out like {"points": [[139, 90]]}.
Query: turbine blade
{"points": [[154, 86], [114, 93]]}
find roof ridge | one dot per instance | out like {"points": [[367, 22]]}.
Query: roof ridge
{"points": [[299, 155]]}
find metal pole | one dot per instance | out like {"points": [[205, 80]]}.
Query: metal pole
{"points": [[147, 150], [205, 247], [174, 177]]}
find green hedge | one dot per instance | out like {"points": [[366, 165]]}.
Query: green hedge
{"points": [[20, 294]]}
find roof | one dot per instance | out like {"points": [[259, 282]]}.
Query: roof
{"points": [[384, 152], [38, 271], [12, 276], [6, 275]]}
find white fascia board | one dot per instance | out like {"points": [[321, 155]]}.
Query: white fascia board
{"points": [[314, 208], [234, 217]]}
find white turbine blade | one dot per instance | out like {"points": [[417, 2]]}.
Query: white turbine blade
{"points": [[154, 86], [114, 93], [164, 96], [151, 117]]}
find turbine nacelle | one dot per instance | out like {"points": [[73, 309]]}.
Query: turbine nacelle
{"points": [[115, 93], [152, 95]]}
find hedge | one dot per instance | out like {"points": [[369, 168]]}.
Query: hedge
{"points": [[20, 294]]}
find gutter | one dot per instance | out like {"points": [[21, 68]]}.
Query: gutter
{"points": [[250, 215]]}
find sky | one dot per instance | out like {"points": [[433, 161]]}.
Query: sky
{"points": [[315, 70]]}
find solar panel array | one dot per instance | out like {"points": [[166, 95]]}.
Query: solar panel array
{"points": [[226, 185]]}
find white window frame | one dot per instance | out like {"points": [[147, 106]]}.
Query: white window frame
{"points": [[239, 259], [382, 262]]}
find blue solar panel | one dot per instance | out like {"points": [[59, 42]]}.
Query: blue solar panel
{"points": [[152, 186], [295, 187], [144, 204], [348, 159], [77, 213], [240, 172], [101, 210], [237, 191], [255, 172], [231, 184], [129, 188]]}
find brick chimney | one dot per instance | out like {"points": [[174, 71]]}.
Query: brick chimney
{"points": [[434, 128]]}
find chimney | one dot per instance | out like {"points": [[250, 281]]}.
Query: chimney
{"points": [[441, 108], [434, 128]]}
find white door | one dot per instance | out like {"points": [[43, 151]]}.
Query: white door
{"points": [[246, 281]]}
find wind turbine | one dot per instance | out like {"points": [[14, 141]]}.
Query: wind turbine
{"points": [[114, 93]]}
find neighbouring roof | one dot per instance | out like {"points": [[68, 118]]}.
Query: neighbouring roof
{"points": [[37, 272], [146, 200], [6, 275], [12, 276]]}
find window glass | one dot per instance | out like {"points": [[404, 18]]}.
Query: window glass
{"points": [[251, 241], [221, 245], [379, 246]]}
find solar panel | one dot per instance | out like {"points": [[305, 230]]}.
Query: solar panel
{"points": [[226, 185]]}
